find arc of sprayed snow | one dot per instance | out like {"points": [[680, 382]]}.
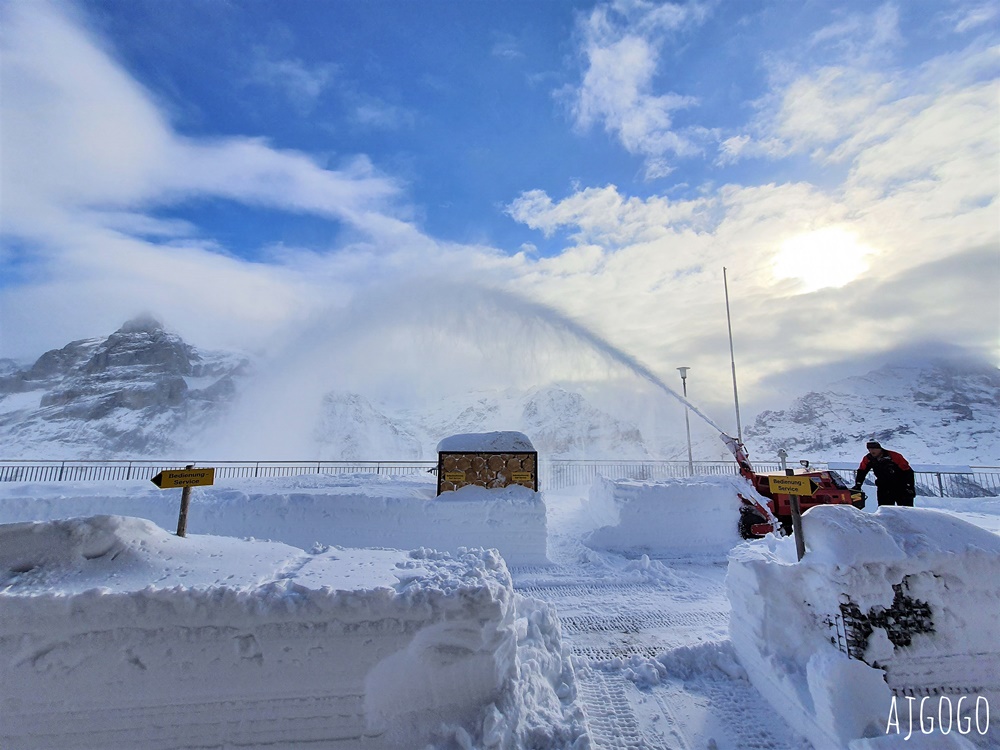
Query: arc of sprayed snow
{"points": [[613, 352]]}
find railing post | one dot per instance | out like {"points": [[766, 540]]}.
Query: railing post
{"points": [[62, 466], [940, 485]]}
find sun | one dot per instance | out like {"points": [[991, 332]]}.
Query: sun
{"points": [[829, 257]]}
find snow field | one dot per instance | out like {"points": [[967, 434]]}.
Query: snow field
{"points": [[117, 634]]}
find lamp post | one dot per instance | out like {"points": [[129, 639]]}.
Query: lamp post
{"points": [[687, 419]]}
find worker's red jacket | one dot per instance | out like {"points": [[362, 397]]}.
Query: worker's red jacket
{"points": [[890, 468]]}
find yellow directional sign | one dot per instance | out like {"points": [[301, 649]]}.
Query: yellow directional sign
{"points": [[166, 480], [790, 485]]}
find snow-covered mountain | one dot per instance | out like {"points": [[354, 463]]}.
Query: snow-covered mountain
{"points": [[133, 393], [144, 392], [938, 412], [351, 428], [559, 422]]}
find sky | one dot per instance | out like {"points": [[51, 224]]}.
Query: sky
{"points": [[250, 171]]}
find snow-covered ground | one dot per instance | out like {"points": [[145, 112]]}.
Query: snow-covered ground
{"points": [[266, 638]]}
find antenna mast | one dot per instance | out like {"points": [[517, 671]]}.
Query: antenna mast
{"points": [[732, 358]]}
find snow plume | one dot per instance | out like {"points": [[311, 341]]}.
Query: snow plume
{"points": [[466, 336]]}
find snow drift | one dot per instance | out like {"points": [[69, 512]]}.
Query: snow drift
{"points": [[117, 634], [902, 602]]}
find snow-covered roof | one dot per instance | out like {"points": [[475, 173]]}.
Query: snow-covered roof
{"points": [[486, 442]]}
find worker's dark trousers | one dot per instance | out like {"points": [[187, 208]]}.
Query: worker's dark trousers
{"points": [[890, 497]]}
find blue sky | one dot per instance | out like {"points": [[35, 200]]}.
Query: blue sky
{"points": [[238, 168]]}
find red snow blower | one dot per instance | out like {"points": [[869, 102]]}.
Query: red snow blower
{"points": [[826, 488]]}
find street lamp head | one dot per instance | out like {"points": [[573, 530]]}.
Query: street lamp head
{"points": [[683, 371]]}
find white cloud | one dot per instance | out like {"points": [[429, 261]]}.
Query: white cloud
{"points": [[303, 84], [603, 216], [974, 16], [77, 132], [863, 38], [857, 99], [372, 112], [508, 48], [621, 46]]}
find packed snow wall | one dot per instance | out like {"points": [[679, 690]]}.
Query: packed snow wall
{"points": [[117, 634], [903, 603], [668, 517], [359, 510]]}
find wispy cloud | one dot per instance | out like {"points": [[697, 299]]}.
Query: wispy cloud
{"points": [[507, 47], [968, 17], [854, 95], [603, 216], [372, 112], [302, 84], [621, 48], [863, 38], [63, 152]]}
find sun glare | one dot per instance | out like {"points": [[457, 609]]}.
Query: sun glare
{"points": [[830, 257]]}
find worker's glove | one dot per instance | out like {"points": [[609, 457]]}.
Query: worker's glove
{"points": [[911, 491]]}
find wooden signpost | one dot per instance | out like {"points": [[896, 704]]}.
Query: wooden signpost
{"points": [[794, 487], [186, 478]]}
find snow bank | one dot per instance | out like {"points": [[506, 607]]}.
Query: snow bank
{"points": [[117, 634], [668, 517], [358, 510], [902, 602]]}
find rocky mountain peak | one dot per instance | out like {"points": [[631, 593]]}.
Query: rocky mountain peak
{"points": [[143, 342], [142, 323], [133, 393]]}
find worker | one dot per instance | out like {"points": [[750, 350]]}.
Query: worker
{"points": [[893, 475]]}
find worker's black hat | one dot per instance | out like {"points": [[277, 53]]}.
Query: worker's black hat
{"points": [[873, 444]]}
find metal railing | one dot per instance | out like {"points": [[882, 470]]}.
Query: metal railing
{"points": [[981, 481], [144, 470]]}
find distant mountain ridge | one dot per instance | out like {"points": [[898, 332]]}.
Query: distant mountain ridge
{"points": [[936, 412], [144, 392]]}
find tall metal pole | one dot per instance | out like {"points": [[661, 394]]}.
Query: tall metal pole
{"points": [[732, 358], [687, 418]]}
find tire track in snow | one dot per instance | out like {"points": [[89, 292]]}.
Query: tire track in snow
{"points": [[636, 619], [610, 717], [638, 622], [603, 620]]}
